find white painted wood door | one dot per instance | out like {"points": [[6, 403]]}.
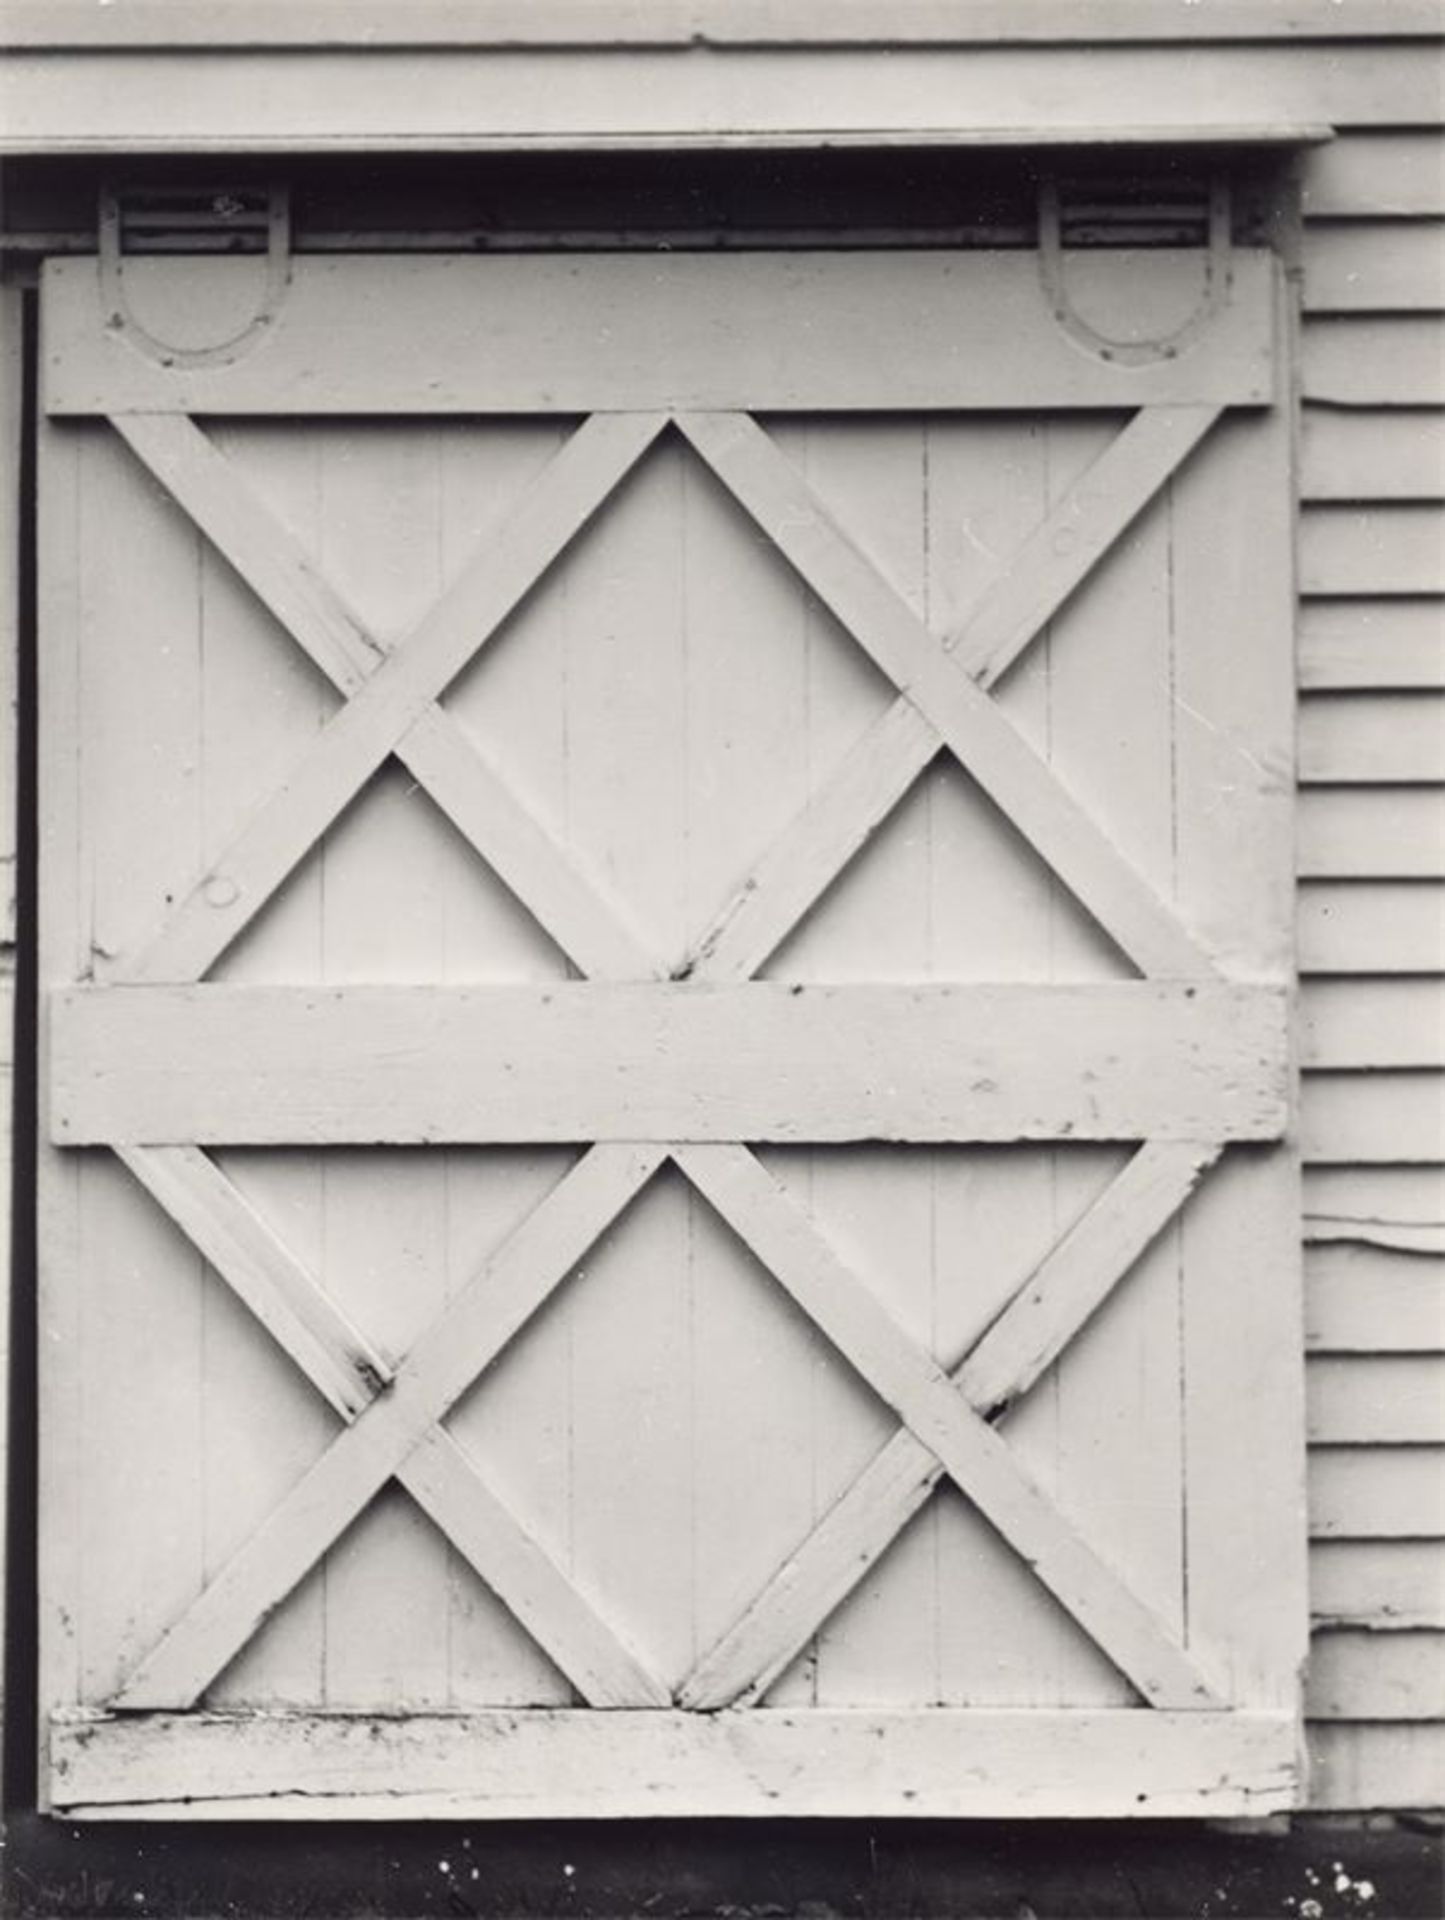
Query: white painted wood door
{"points": [[666, 943]]}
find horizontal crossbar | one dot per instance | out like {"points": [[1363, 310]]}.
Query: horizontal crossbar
{"points": [[519, 1764], [656, 1061], [771, 332]]}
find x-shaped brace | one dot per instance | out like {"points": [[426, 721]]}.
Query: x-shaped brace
{"points": [[397, 1418]]}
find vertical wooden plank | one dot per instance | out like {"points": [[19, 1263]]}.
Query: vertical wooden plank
{"points": [[388, 1588], [997, 913], [262, 705], [64, 941], [11, 433], [1242, 1292], [1112, 721], [136, 1279]]}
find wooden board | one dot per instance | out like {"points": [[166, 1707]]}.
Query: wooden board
{"points": [[1373, 1023], [1377, 1492], [1374, 360], [772, 332], [1391, 739], [1371, 643], [1385, 1400], [1396, 1207], [1376, 172], [1372, 927], [651, 1764], [1375, 1764], [1365, 1300], [1372, 1118], [677, 1062], [1357, 1675], [1374, 266], [1371, 453], [1381, 1584], [1366, 833], [608, 23], [1379, 551]]}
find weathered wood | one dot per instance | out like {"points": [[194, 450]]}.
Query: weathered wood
{"points": [[1364, 453], [1374, 361], [1081, 528], [1377, 551], [333, 100], [569, 904], [1369, 833], [690, 1062], [1376, 172], [1365, 1300], [349, 1373], [940, 1763], [985, 743], [1375, 1764], [1373, 1023], [816, 846], [1027, 1337], [1372, 738], [502, 1295], [340, 1362], [1384, 1400], [618, 23], [980, 1464], [1400, 1207], [1374, 266], [1380, 1584], [768, 331], [605, 1671], [1377, 1492], [395, 697], [1357, 1675], [1372, 927], [1371, 643], [1377, 1117]]}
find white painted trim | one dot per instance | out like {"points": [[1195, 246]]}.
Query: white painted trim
{"points": [[943, 1763]]}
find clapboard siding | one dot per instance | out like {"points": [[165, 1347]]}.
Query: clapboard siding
{"points": [[1374, 266], [1370, 171], [1361, 833], [1378, 551], [1380, 1584], [1371, 453], [1371, 644], [1372, 739], [1372, 816]]}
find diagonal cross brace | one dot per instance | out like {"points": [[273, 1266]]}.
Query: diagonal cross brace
{"points": [[943, 1424], [1069, 1285], [904, 731], [436, 751], [506, 1290], [959, 714], [395, 698]]}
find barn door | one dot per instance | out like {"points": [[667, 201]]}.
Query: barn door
{"points": [[666, 926]]}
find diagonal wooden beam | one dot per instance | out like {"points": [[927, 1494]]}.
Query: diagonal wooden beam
{"points": [[1021, 784], [508, 1287], [943, 1427], [349, 1374], [568, 902], [395, 697], [261, 1270], [812, 851], [1068, 1286], [1075, 535]]}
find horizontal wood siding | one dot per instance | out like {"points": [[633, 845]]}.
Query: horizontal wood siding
{"points": [[1371, 850]]}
